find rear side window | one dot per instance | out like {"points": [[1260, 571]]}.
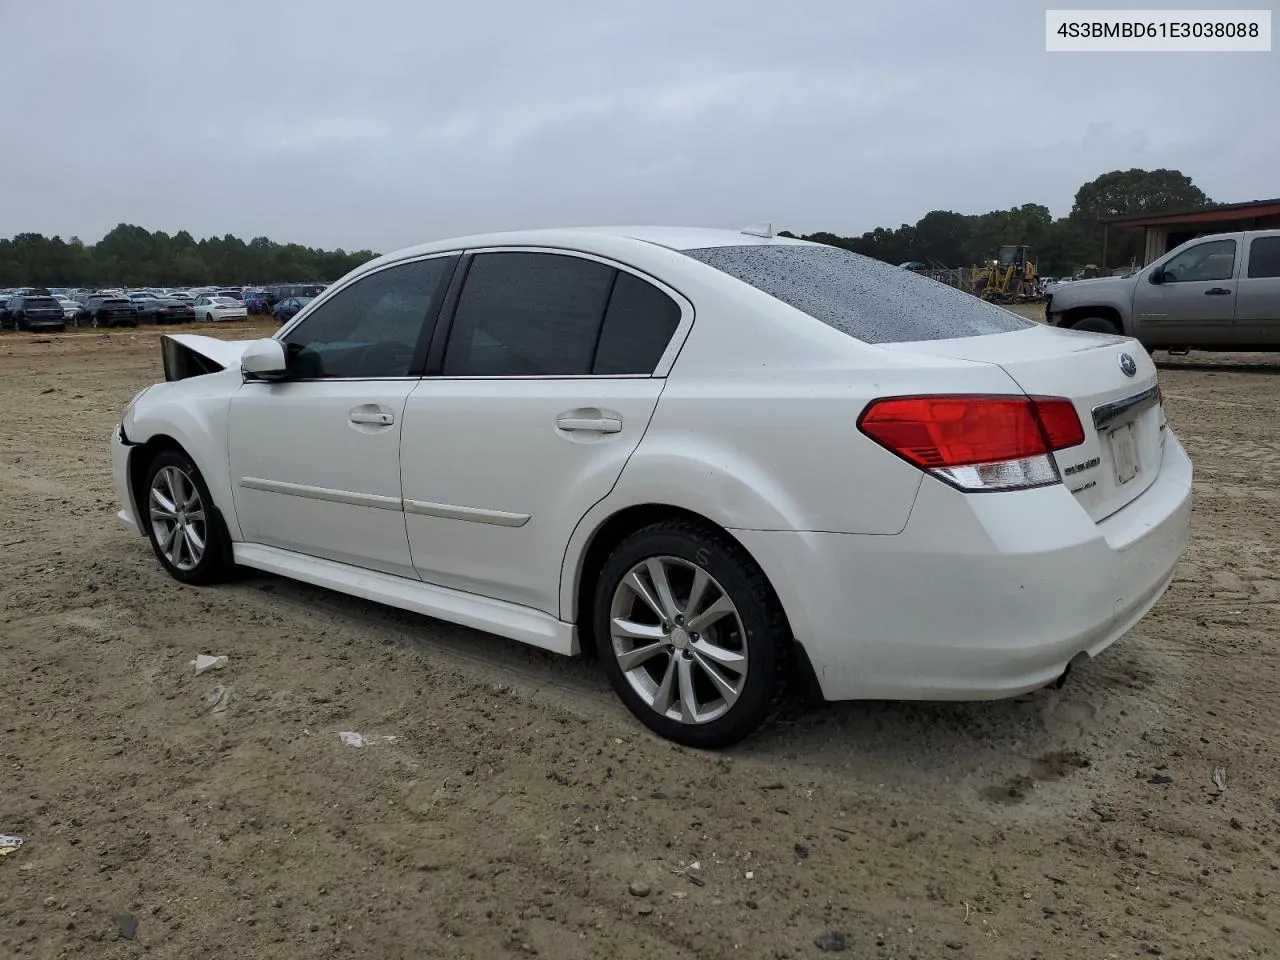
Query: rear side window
{"points": [[864, 298], [528, 315], [638, 325], [1264, 257]]}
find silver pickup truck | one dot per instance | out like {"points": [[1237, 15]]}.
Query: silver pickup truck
{"points": [[1218, 292]]}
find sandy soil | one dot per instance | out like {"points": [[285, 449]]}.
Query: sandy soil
{"points": [[519, 802]]}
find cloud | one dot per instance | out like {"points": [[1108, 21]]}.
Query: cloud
{"points": [[388, 123]]}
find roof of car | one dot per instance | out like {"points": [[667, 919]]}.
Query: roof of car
{"points": [[673, 238]]}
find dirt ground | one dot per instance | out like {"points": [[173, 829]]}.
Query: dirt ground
{"points": [[519, 806]]}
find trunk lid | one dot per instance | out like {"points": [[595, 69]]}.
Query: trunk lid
{"points": [[1122, 418]]}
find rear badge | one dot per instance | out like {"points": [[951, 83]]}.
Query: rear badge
{"points": [[1128, 366]]}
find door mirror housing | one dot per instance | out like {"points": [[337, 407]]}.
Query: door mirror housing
{"points": [[1157, 275], [264, 360]]}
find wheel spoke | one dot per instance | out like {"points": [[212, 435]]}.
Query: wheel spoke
{"points": [[195, 542], [721, 656], [688, 702], [641, 590], [168, 482], [175, 546], [631, 630], [196, 514], [634, 658], [165, 504], [165, 537], [700, 581], [727, 690], [666, 693], [658, 574], [722, 607]]}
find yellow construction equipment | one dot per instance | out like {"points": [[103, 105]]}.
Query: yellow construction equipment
{"points": [[1009, 278]]}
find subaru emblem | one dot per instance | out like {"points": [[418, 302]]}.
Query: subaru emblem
{"points": [[1128, 366]]}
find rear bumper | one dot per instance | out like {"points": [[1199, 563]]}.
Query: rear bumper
{"points": [[981, 596]]}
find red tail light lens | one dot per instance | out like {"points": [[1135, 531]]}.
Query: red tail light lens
{"points": [[977, 442], [1060, 422]]}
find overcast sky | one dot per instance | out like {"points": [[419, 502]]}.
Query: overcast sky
{"points": [[389, 122]]}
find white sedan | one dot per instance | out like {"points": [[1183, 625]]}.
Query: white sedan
{"points": [[214, 309], [715, 460]]}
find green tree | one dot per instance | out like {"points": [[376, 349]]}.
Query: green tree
{"points": [[1123, 193]]}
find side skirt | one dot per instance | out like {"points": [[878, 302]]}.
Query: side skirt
{"points": [[468, 609]]}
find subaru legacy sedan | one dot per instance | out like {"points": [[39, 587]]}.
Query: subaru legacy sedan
{"points": [[720, 462]]}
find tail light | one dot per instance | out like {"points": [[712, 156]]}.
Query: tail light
{"points": [[977, 443]]}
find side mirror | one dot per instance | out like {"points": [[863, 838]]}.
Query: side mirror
{"points": [[1157, 275], [264, 360]]}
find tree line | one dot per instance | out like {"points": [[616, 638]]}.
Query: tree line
{"points": [[947, 239], [132, 256], [135, 257]]}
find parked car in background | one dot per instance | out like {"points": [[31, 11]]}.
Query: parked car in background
{"points": [[1216, 292], [233, 293], [214, 309], [27, 312], [286, 310], [257, 301], [166, 310], [69, 307], [928, 497], [181, 295], [107, 311], [139, 297]]}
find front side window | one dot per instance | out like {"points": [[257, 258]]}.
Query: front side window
{"points": [[369, 329], [1264, 257], [1215, 260], [528, 314]]}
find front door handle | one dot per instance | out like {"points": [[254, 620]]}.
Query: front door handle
{"points": [[379, 418], [1217, 292], [590, 424]]}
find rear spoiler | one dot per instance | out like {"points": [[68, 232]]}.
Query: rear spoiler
{"points": [[188, 355]]}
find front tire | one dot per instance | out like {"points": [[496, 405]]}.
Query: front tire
{"points": [[185, 529], [1096, 325], [691, 634]]}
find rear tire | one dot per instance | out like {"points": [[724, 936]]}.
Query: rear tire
{"points": [[703, 681], [1096, 325], [182, 522]]}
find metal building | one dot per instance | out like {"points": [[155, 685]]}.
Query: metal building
{"points": [[1164, 231]]}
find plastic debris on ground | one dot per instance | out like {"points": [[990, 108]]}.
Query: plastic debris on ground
{"points": [[8, 844], [220, 699], [353, 739], [204, 661]]}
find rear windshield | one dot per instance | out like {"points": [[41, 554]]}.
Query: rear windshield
{"points": [[861, 297], [117, 302], [43, 302]]}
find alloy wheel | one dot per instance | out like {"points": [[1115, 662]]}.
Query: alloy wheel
{"points": [[679, 640], [178, 517]]}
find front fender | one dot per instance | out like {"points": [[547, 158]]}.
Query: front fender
{"points": [[193, 412]]}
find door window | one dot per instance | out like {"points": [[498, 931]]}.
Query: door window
{"points": [[371, 328], [1264, 257], [528, 314], [638, 325], [1214, 260], [554, 315]]}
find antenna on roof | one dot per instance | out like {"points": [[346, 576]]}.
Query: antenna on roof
{"points": [[759, 230]]}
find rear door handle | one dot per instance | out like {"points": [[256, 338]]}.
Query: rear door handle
{"points": [[590, 424], [1217, 292], [380, 418]]}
